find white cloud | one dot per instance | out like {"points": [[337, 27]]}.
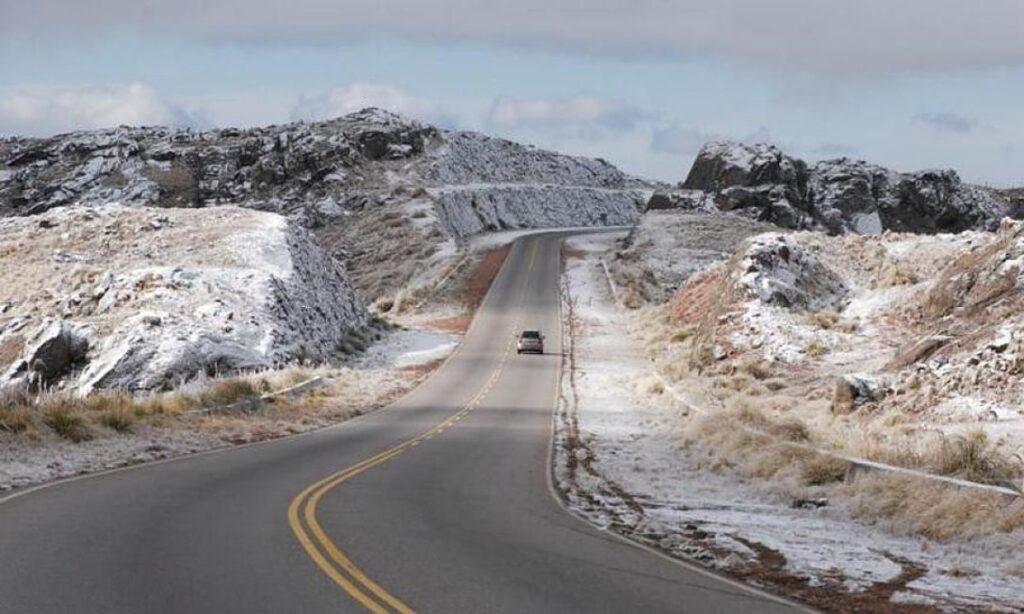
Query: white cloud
{"points": [[948, 122], [357, 96], [831, 37], [579, 117], [678, 139], [45, 110]]}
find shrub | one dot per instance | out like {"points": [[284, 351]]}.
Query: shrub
{"points": [[119, 420], [822, 470], [974, 457], [15, 410], [814, 349], [15, 419], [224, 392], [790, 429]]}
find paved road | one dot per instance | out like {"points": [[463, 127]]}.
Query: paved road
{"points": [[439, 503]]}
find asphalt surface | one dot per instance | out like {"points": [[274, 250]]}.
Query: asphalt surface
{"points": [[439, 503]]}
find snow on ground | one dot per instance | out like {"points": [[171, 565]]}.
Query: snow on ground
{"points": [[410, 348], [630, 472]]}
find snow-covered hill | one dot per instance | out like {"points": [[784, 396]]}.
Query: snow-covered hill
{"points": [[143, 298]]}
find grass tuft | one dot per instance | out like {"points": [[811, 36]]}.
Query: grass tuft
{"points": [[223, 392], [815, 349], [119, 420], [63, 416], [822, 470]]}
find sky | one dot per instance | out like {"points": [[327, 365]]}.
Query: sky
{"points": [[910, 84]]}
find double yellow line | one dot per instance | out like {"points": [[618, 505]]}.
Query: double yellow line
{"points": [[322, 549]]}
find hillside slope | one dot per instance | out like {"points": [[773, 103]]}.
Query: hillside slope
{"points": [[143, 298]]}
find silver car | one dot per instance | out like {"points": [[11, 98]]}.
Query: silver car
{"points": [[530, 342]]}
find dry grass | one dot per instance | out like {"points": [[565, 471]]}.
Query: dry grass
{"points": [[822, 470], [64, 417], [911, 505], [814, 349], [973, 456], [76, 418], [895, 273], [228, 391], [830, 320], [745, 440], [118, 420], [15, 419]]}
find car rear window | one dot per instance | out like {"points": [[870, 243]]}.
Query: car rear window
{"points": [[531, 334]]}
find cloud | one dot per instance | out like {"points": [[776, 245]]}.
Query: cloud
{"points": [[579, 117], [948, 122], [357, 96], [867, 36], [677, 139], [46, 110]]}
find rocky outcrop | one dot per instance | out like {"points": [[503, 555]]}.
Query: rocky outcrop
{"points": [[144, 299], [278, 168], [841, 195], [318, 172]]}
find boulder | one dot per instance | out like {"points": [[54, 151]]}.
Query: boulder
{"points": [[54, 351], [850, 392], [723, 164]]}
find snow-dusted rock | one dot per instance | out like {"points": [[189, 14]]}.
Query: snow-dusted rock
{"points": [[162, 295], [779, 271], [840, 195], [468, 210], [51, 352]]}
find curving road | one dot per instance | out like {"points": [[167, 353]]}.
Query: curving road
{"points": [[440, 503]]}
